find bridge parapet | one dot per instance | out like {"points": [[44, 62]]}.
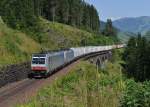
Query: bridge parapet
{"points": [[100, 58]]}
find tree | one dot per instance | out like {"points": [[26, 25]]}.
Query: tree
{"points": [[19, 13], [25, 13], [147, 35], [129, 57], [63, 11], [86, 16], [109, 29], [136, 57]]}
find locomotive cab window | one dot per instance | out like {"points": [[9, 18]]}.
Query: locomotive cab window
{"points": [[38, 61]]}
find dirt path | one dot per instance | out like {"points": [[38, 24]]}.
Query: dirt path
{"points": [[22, 91]]}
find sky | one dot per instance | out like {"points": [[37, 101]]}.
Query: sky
{"points": [[116, 9]]}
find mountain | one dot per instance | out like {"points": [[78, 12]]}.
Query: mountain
{"points": [[122, 36], [125, 36], [133, 24], [102, 24]]}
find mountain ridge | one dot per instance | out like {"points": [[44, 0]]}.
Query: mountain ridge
{"points": [[133, 24]]}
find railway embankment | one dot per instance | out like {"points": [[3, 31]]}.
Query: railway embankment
{"points": [[13, 73]]}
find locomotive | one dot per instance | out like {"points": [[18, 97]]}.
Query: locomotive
{"points": [[44, 64]]}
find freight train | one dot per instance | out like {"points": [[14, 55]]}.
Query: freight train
{"points": [[46, 63]]}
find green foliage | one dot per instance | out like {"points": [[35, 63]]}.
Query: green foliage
{"points": [[136, 57], [101, 40], [51, 36], [65, 36], [15, 47], [109, 29], [25, 15], [21, 14], [116, 55], [125, 36], [147, 35], [136, 94], [11, 47]]}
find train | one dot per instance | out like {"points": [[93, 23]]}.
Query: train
{"points": [[46, 63]]}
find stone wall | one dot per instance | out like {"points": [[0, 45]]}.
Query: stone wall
{"points": [[13, 73]]}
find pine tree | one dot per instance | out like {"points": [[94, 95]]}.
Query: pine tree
{"points": [[109, 29], [19, 13], [137, 58], [148, 60], [129, 57], [63, 11], [141, 58], [25, 13]]}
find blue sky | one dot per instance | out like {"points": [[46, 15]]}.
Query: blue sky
{"points": [[121, 8]]}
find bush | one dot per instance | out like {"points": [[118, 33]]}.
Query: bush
{"points": [[136, 94]]}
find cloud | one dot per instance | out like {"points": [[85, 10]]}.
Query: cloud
{"points": [[114, 18]]}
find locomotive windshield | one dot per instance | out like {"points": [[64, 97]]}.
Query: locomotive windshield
{"points": [[38, 61]]}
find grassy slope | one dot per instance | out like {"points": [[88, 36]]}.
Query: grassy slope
{"points": [[81, 87], [64, 36], [125, 36], [15, 46]]}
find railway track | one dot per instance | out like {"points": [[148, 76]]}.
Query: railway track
{"points": [[21, 92]]}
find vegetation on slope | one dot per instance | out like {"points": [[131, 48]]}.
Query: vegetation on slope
{"points": [[137, 60], [136, 94], [22, 14], [125, 36], [15, 46], [64, 36], [29, 16], [25, 15], [147, 35], [137, 66]]}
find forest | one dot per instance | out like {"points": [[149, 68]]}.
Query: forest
{"points": [[136, 57], [24, 13]]}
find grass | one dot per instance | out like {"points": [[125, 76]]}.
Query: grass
{"points": [[84, 86], [64, 36], [15, 46]]}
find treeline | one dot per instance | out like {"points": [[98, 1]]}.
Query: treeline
{"points": [[19, 13], [137, 58], [25, 13]]}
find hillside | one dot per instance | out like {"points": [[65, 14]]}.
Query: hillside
{"points": [[125, 36], [134, 25], [17, 46], [33, 26], [122, 36], [65, 36], [58, 35]]}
